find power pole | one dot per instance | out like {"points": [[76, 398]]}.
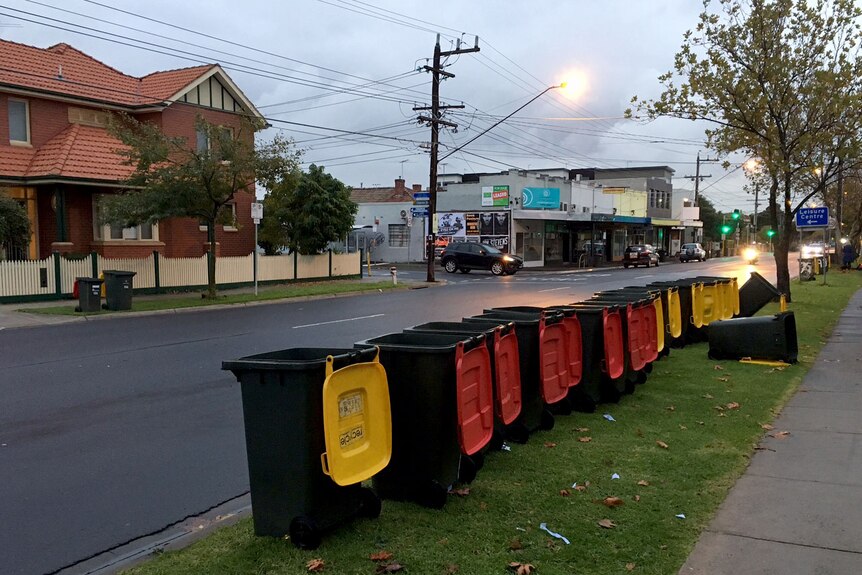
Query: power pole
{"points": [[697, 177], [436, 120]]}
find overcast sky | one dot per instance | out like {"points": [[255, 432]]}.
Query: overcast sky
{"points": [[312, 62]]}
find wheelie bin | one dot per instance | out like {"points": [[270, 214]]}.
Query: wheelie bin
{"points": [[502, 344], [604, 355], [535, 415], [762, 337], [442, 412], [640, 332], [118, 289], [671, 312], [685, 297], [656, 318], [574, 354], [317, 423], [89, 294], [756, 293], [728, 289], [554, 379], [692, 290]]}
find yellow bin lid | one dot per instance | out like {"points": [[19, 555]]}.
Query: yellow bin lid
{"points": [[357, 422]]}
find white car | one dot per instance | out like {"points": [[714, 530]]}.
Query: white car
{"points": [[690, 252], [814, 250]]}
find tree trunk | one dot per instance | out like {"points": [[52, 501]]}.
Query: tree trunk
{"points": [[211, 260], [782, 267]]}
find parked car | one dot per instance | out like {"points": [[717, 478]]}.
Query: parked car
{"points": [[690, 252], [639, 255], [466, 256]]}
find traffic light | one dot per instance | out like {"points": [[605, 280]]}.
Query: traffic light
{"points": [[770, 233], [725, 229], [735, 215]]}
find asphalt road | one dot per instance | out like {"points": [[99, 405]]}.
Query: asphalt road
{"points": [[110, 430]]}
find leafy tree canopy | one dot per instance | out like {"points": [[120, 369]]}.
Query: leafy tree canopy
{"points": [[306, 211]]}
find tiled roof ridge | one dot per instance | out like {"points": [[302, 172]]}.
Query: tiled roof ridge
{"points": [[208, 66], [67, 145], [62, 47]]}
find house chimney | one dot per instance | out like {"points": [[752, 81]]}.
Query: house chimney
{"points": [[399, 184], [417, 187]]}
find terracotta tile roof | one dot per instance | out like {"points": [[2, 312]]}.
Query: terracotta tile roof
{"points": [[65, 70], [79, 152], [399, 193]]}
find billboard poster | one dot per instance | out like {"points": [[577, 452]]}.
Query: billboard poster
{"points": [[540, 198], [497, 196], [486, 223], [501, 223], [471, 221], [499, 242], [451, 224]]}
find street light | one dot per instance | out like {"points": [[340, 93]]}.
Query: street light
{"points": [[752, 166]]}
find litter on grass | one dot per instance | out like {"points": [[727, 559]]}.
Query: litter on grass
{"points": [[681, 516], [505, 447], [544, 527], [609, 417], [615, 476]]}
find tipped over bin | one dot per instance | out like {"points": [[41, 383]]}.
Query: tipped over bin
{"points": [[317, 423], [762, 337], [755, 294]]}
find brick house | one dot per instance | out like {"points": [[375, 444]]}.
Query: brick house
{"points": [[57, 158]]}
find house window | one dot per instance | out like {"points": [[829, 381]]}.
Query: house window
{"points": [[399, 235], [19, 122], [231, 227], [202, 139], [143, 232]]}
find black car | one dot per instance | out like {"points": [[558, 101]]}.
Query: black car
{"points": [[640, 255], [466, 256]]}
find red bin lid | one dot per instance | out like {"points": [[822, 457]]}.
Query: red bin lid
{"points": [[614, 347], [553, 361], [508, 371], [474, 397]]}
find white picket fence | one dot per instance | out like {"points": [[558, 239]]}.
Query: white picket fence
{"points": [[22, 279]]}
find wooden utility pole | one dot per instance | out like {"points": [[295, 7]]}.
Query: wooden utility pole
{"points": [[697, 177], [436, 120]]}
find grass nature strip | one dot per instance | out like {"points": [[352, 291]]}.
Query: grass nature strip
{"points": [[193, 299], [708, 414]]}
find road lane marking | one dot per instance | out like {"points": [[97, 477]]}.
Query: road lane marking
{"points": [[552, 289], [642, 277], [338, 321]]}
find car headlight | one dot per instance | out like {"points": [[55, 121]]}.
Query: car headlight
{"points": [[508, 259], [749, 253]]}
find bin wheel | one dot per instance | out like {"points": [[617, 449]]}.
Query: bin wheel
{"points": [[547, 421], [562, 407], [468, 468], [433, 495], [642, 376], [369, 504], [648, 368], [517, 433], [304, 533]]}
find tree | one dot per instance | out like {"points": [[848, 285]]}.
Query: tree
{"points": [[710, 218], [14, 223], [306, 211], [174, 178], [778, 80]]}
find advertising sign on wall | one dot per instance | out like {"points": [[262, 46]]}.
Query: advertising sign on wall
{"points": [[487, 227], [472, 223], [495, 196], [540, 198], [451, 224]]}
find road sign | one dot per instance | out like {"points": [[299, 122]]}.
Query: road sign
{"points": [[421, 195], [256, 212], [812, 217], [420, 212], [421, 202]]}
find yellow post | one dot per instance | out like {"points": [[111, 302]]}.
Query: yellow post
{"points": [[368, 261], [782, 303]]}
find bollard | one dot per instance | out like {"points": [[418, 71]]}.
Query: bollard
{"points": [[394, 272], [782, 303]]}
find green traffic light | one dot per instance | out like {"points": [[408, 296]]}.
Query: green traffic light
{"points": [[725, 229], [735, 214], [770, 233]]}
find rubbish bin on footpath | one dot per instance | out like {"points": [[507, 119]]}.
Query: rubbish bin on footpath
{"points": [[603, 353], [639, 334], [118, 290], [502, 344], [317, 423], [89, 294], [442, 412], [671, 312], [762, 337]]}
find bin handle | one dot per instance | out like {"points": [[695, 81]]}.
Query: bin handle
{"points": [[324, 463]]}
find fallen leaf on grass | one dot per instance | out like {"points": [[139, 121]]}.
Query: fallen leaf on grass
{"points": [[780, 434], [580, 488], [637, 498], [613, 501], [315, 565], [565, 492], [381, 556], [733, 405], [700, 423], [682, 427], [389, 568], [461, 492], [582, 429], [607, 524], [717, 368], [585, 439], [521, 568], [630, 566], [708, 396], [722, 415], [718, 408], [723, 379], [451, 569], [550, 444], [661, 444], [671, 408], [515, 545], [643, 483], [767, 426]]}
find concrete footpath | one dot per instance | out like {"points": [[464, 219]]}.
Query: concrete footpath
{"points": [[798, 507]]}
